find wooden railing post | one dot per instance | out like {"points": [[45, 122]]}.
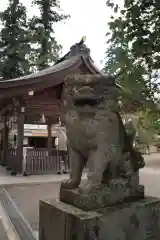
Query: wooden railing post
{"points": [[5, 141], [20, 137], [49, 143], [39, 163], [1, 146]]}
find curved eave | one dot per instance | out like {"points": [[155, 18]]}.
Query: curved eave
{"points": [[49, 77], [91, 66], [67, 66], [44, 79], [59, 68]]}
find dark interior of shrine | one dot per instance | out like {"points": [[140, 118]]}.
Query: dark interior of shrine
{"points": [[40, 142]]}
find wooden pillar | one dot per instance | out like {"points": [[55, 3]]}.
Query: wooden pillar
{"points": [[20, 137], [1, 146], [5, 141], [49, 143]]}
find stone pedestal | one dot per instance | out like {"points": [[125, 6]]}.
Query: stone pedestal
{"points": [[139, 220], [102, 197]]}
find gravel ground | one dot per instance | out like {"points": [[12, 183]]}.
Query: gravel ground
{"points": [[27, 199]]}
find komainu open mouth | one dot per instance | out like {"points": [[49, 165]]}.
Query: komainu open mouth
{"points": [[85, 96], [85, 101]]}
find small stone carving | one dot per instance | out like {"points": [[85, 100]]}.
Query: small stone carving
{"points": [[96, 135]]}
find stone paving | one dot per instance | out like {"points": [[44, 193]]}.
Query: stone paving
{"points": [[27, 196], [27, 199], [6, 179], [27, 191], [3, 172], [3, 235], [152, 160]]}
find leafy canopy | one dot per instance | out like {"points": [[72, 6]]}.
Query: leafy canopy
{"points": [[133, 54], [14, 43], [46, 48]]}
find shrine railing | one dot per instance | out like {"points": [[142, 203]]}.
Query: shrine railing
{"points": [[37, 161], [11, 158]]}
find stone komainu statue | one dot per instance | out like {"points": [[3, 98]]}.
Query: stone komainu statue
{"points": [[96, 134]]}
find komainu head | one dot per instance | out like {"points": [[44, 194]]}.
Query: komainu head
{"points": [[91, 90]]}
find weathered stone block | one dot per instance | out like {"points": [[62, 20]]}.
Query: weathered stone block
{"points": [[60, 221], [139, 220], [104, 196]]}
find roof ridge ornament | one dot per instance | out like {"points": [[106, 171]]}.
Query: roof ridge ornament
{"points": [[79, 48], [76, 49], [82, 40]]}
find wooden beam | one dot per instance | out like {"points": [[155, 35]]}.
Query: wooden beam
{"points": [[47, 81], [52, 114], [46, 98]]}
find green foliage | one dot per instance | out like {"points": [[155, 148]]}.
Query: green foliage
{"points": [[14, 45], [157, 125], [47, 48], [148, 126], [133, 55]]}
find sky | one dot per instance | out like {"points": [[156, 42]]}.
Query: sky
{"points": [[88, 18]]}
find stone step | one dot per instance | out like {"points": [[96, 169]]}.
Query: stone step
{"points": [[21, 226]]}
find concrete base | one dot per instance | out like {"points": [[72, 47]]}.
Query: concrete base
{"points": [[138, 220]]}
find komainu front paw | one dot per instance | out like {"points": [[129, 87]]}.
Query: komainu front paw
{"points": [[89, 187], [69, 184]]}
